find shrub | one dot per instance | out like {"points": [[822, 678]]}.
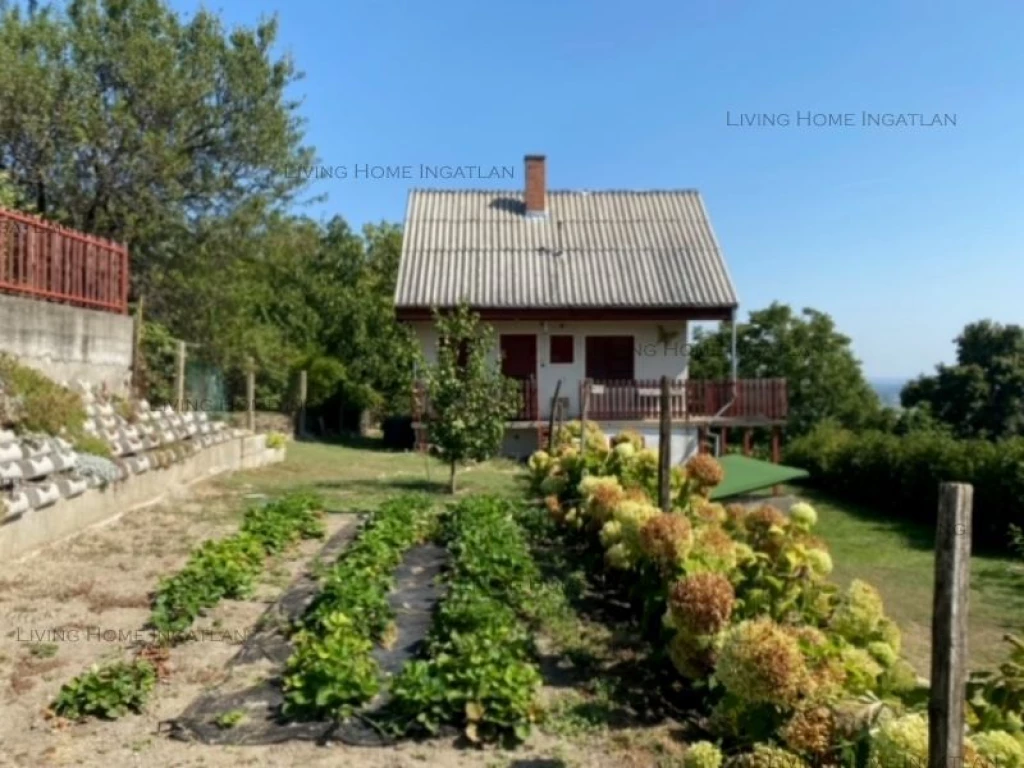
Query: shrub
{"points": [[93, 445], [900, 475], [666, 539], [276, 440], [108, 692], [43, 405]]}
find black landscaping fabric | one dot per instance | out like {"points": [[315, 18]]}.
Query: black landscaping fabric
{"points": [[417, 591]]}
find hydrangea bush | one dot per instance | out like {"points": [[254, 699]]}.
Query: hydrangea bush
{"points": [[786, 659]]}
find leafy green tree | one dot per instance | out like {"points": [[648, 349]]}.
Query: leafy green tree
{"points": [[123, 119], [469, 398], [982, 395], [824, 379]]}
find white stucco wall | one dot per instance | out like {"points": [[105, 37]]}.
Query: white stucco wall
{"points": [[651, 360]]}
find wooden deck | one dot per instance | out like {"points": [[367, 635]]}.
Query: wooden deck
{"points": [[697, 402]]}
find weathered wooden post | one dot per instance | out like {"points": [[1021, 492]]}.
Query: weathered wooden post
{"points": [[747, 438], [179, 378], [250, 394], [303, 385], [949, 626], [551, 418], [665, 447], [137, 385]]}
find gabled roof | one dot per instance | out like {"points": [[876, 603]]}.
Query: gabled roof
{"points": [[593, 250]]}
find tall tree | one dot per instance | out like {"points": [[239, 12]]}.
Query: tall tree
{"points": [[120, 118], [983, 394], [824, 379]]}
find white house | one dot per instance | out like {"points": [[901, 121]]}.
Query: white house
{"points": [[591, 294]]}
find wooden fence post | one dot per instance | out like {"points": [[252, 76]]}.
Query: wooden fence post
{"points": [[137, 385], [665, 447], [949, 626], [250, 394], [179, 378], [303, 385]]}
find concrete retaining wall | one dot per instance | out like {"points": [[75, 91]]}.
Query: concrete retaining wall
{"points": [[44, 526], [68, 343]]}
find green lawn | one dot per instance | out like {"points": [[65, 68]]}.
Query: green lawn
{"points": [[355, 476], [896, 556]]}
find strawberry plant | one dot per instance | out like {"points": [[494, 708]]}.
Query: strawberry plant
{"points": [[479, 673], [332, 671], [227, 568], [108, 692]]}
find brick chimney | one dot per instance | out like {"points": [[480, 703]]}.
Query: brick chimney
{"points": [[536, 185]]}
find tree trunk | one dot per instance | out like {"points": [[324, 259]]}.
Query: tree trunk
{"points": [[451, 480]]}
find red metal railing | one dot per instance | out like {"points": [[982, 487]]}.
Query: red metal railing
{"points": [[756, 399], [58, 264], [526, 409]]}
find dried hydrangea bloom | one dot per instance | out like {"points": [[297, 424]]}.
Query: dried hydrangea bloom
{"points": [[713, 550], [705, 470], [666, 539], [603, 495], [761, 663], [710, 512], [702, 603], [735, 517], [811, 731], [554, 508]]}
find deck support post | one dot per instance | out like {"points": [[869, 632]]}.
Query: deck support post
{"points": [[776, 455], [747, 437], [949, 626], [724, 444]]}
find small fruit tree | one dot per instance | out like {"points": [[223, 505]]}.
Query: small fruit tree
{"points": [[470, 400]]}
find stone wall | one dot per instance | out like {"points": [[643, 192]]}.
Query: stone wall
{"points": [[68, 343]]}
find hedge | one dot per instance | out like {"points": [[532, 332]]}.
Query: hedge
{"points": [[900, 474]]}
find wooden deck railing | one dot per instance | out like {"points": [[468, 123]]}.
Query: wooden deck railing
{"points": [[755, 399], [526, 410], [49, 262]]}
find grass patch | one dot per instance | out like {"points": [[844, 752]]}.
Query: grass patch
{"points": [[364, 475], [897, 557]]}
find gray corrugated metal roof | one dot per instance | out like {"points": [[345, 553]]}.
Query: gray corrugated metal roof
{"points": [[592, 249]]}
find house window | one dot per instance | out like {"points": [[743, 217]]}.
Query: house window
{"points": [[609, 358], [561, 349]]}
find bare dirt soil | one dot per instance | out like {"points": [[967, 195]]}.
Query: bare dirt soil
{"points": [[86, 601]]}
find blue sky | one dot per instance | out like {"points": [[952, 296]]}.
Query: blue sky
{"points": [[902, 234]]}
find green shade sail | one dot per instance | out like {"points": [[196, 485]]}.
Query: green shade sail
{"points": [[744, 474]]}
